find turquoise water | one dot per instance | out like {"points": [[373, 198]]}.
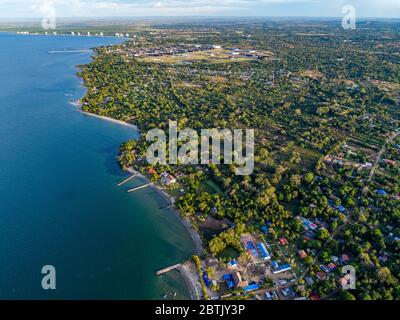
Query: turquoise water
{"points": [[58, 201]]}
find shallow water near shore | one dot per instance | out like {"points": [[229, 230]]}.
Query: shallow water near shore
{"points": [[59, 204]]}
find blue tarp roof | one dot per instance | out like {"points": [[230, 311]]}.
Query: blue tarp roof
{"points": [[232, 262], [205, 278], [263, 250], [285, 266], [250, 245], [381, 192], [227, 277], [229, 280], [251, 287]]}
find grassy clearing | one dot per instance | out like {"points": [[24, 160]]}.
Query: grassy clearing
{"points": [[211, 56], [211, 187]]}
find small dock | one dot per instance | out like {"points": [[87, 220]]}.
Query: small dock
{"points": [[69, 51], [162, 271], [141, 187], [126, 180]]}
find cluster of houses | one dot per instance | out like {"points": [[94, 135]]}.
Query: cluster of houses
{"points": [[167, 179], [389, 162], [248, 53], [258, 251], [235, 280], [341, 162], [167, 50], [188, 48]]}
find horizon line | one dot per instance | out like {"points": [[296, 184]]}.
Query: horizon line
{"points": [[198, 16]]}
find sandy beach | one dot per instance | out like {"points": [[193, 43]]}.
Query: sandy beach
{"points": [[189, 275], [120, 122]]}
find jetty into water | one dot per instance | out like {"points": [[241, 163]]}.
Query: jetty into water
{"points": [[141, 187], [70, 51], [162, 271], [126, 180]]}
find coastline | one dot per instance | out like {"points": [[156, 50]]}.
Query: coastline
{"points": [[184, 270], [78, 106], [198, 243], [190, 280], [18, 33]]}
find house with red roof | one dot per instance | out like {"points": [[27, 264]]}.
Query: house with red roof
{"points": [[321, 275], [283, 241], [302, 254]]}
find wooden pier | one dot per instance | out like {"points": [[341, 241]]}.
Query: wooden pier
{"points": [[141, 187], [126, 180], [162, 271]]}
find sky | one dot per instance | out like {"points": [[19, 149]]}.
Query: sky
{"points": [[126, 8]]}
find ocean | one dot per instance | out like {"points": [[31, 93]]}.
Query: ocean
{"points": [[59, 204]]}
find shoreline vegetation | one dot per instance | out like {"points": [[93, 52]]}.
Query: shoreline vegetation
{"points": [[185, 269], [194, 235]]}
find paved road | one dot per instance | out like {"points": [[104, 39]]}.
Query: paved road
{"points": [[378, 159]]}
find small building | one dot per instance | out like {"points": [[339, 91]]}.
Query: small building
{"points": [[308, 225], [210, 262], [282, 268], [381, 192], [302, 254], [229, 280], [263, 251], [345, 280], [251, 287], [331, 266], [309, 281], [344, 259], [239, 282], [232, 264], [283, 241], [321, 275], [324, 268], [389, 162], [167, 179], [264, 229], [314, 296], [334, 259]]}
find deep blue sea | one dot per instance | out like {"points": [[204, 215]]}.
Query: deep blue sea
{"points": [[59, 204]]}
